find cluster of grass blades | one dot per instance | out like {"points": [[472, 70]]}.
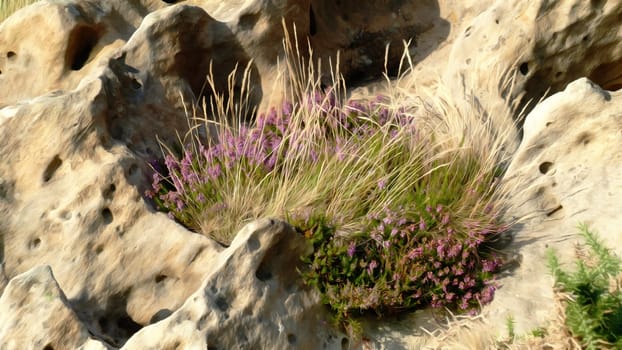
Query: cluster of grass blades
{"points": [[399, 198], [8, 7]]}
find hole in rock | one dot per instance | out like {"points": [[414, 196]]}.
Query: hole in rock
{"points": [[135, 84], [48, 347], [170, 1], [65, 215], [49, 171], [291, 338], [263, 274], [584, 139], [10, 54], [99, 249], [221, 303], [160, 315], [212, 347], [554, 210], [160, 278], [132, 170], [467, 32], [545, 167], [35, 243], [109, 192], [107, 216], [248, 21], [126, 323], [312, 23], [253, 244], [82, 40], [524, 68]]}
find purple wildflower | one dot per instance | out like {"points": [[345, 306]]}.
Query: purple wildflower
{"points": [[372, 265], [382, 184], [201, 198], [351, 249]]}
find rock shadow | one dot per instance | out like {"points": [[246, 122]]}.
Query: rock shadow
{"points": [[370, 35]]}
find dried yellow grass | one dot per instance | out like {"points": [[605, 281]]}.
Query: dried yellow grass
{"points": [[7, 7]]}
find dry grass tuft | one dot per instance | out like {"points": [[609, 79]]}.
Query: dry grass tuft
{"points": [[7, 7]]}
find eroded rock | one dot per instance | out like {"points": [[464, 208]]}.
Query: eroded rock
{"points": [[251, 298], [548, 44], [36, 314], [564, 174]]}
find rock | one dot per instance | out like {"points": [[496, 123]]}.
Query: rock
{"points": [[547, 44], [361, 31], [251, 298], [564, 173], [71, 40], [36, 315], [76, 203]]}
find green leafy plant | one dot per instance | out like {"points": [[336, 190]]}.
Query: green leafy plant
{"points": [[593, 306], [509, 324], [539, 332]]}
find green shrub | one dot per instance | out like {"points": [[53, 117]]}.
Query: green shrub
{"points": [[594, 305]]}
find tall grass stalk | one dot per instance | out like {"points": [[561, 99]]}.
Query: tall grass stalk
{"points": [[8, 7], [398, 193]]}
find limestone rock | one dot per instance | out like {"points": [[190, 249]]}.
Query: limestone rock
{"points": [[565, 172], [548, 44], [36, 315], [72, 177], [70, 40], [76, 205], [251, 298], [361, 31]]}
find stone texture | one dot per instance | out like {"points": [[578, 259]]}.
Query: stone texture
{"points": [[34, 301], [565, 172], [250, 298], [70, 41], [548, 44], [361, 30], [76, 205], [74, 201]]}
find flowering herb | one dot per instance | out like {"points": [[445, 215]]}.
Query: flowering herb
{"points": [[395, 224]]}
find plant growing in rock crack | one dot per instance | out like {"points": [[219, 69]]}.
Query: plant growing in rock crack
{"points": [[593, 302], [401, 212]]}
